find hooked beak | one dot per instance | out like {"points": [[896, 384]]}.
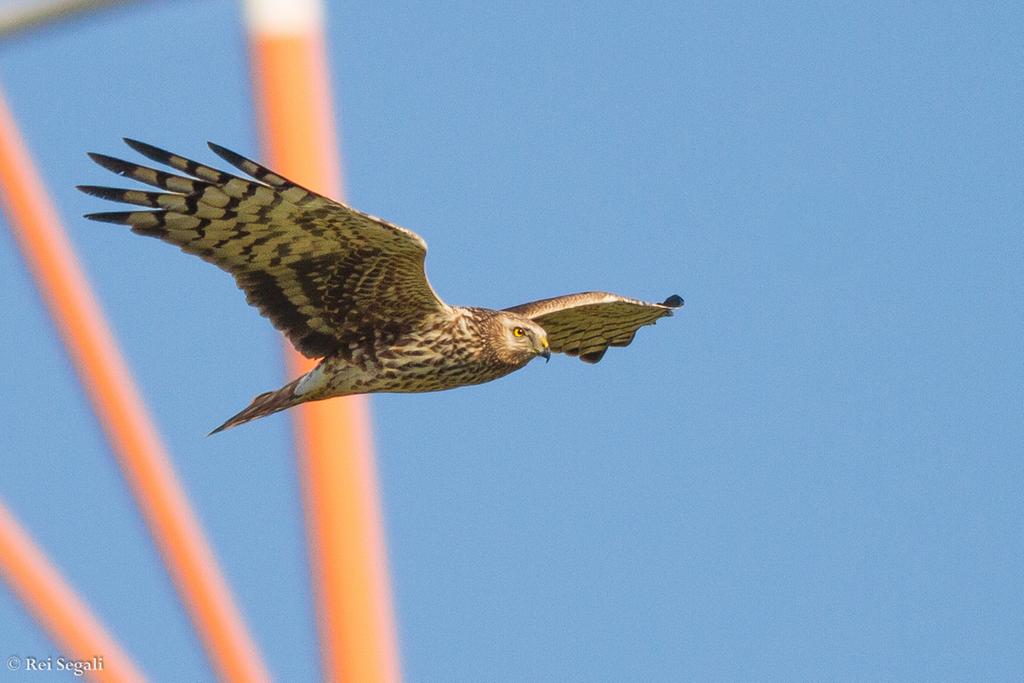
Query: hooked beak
{"points": [[545, 351]]}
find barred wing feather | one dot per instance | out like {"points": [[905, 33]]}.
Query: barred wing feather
{"points": [[586, 324], [322, 272]]}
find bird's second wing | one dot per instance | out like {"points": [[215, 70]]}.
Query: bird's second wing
{"points": [[318, 269], [586, 324]]}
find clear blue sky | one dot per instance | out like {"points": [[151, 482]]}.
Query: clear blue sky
{"points": [[813, 471]]}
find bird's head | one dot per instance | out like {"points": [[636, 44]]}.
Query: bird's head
{"points": [[520, 339]]}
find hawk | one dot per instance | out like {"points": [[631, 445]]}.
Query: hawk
{"points": [[350, 288]]}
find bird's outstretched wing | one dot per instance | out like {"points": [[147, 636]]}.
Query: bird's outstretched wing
{"points": [[321, 271], [586, 324]]}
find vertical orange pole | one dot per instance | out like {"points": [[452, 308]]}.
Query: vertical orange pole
{"points": [[346, 536], [56, 606], [122, 413]]}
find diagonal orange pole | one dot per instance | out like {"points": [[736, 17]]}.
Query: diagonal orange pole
{"points": [[120, 409], [346, 537], [58, 609]]}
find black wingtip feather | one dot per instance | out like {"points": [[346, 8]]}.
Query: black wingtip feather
{"points": [[110, 193], [233, 158], [148, 150], [117, 217], [118, 166]]}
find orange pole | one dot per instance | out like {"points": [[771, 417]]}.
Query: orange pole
{"points": [[120, 409], [56, 606], [346, 537]]}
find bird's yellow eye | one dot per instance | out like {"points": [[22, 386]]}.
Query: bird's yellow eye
{"points": [[518, 331]]}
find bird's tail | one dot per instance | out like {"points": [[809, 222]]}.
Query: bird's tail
{"points": [[266, 404]]}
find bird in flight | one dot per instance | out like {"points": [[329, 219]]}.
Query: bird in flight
{"points": [[350, 288]]}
